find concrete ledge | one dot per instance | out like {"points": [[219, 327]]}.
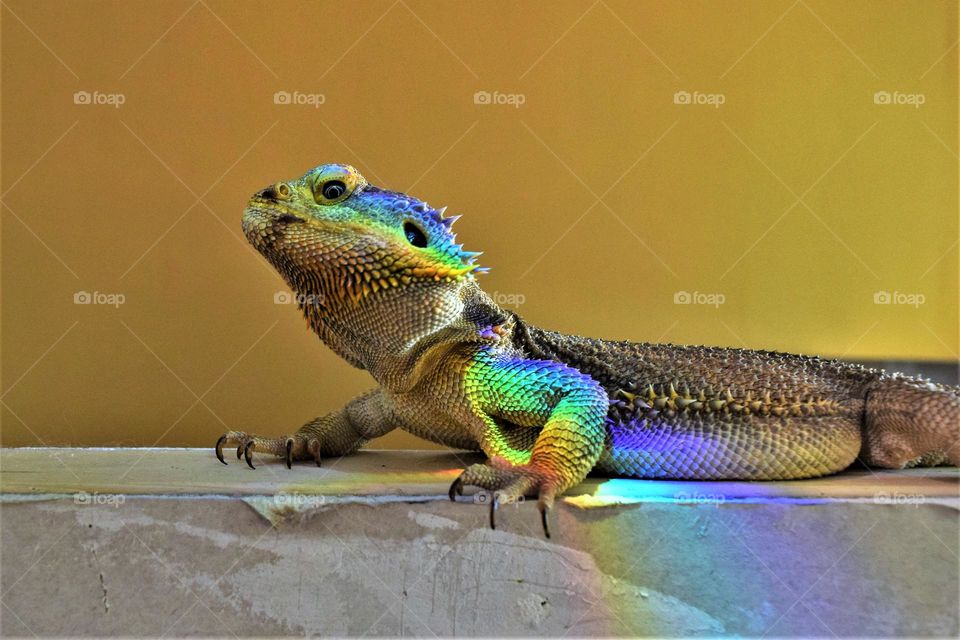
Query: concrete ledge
{"points": [[169, 542]]}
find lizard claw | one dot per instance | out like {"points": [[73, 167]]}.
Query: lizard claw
{"points": [[289, 453], [247, 449], [544, 521], [219, 448], [456, 489]]}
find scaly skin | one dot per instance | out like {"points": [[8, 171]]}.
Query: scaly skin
{"points": [[382, 282]]}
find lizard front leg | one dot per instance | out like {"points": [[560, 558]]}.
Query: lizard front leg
{"points": [[544, 428], [339, 433]]}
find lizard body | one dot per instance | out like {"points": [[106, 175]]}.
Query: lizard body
{"points": [[381, 280]]}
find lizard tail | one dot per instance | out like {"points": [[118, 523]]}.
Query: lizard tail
{"points": [[911, 422]]}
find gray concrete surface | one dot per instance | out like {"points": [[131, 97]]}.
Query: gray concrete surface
{"points": [[134, 542]]}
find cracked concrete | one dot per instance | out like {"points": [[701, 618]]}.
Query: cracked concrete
{"points": [[103, 586], [151, 561]]}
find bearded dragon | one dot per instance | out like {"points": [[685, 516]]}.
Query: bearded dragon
{"points": [[381, 279]]}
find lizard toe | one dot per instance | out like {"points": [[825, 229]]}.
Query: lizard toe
{"points": [[313, 448], [484, 476]]}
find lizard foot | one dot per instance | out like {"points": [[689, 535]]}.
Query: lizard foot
{"points": [[292, 447], [510, 484]]}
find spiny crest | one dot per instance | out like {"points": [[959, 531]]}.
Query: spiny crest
{"points": [[467, 257], [438, 228]]}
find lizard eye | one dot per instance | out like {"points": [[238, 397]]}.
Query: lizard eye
{"points": [[333, 189], [334, 183], [414, 235]]}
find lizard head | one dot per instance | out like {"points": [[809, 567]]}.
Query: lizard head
{"points": [[332, 233]]}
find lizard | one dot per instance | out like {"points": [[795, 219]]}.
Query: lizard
{"points": [[381, 280]]}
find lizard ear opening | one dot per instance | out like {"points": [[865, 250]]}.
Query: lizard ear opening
{"points": [[414, 234]]}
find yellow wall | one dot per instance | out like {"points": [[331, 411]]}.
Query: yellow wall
{"points": [[797, 199]]}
